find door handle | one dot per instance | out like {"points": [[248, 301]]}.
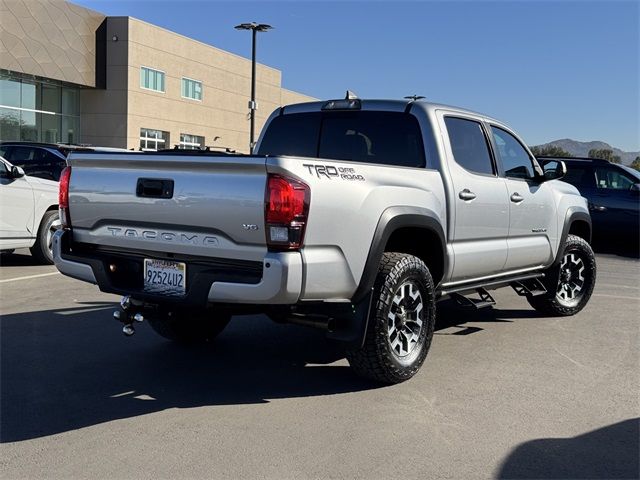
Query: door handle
{"points": [[466, 195], [597, 208], [516, 198]]}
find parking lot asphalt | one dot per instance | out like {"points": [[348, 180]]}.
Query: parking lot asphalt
{"points": [[504, 393]]}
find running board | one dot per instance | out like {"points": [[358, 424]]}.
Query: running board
{"points": [[529, 288], [490, 284], [485, 300]]}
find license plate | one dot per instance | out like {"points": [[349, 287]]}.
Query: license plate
{"points": [[164, 277]]}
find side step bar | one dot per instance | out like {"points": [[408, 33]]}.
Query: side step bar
{"points": [[485, 300], [491, 284], [532, 287]]}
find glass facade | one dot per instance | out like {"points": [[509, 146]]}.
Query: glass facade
{"points": [[153, 139], [191, 142], [191, 89], [152, 79], [38, 111]]}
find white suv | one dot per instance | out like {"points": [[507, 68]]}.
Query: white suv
{"points": [[28, 212]]}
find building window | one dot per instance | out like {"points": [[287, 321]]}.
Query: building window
{"points": [[151, 79], [191, 142], [191, 89], [38, 111], [153, 139]]}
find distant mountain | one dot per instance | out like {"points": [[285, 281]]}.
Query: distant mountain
{"points": [[581, 149]]}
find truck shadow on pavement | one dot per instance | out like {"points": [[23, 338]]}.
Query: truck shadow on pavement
{"points": [[72, 368], [609, 452]]}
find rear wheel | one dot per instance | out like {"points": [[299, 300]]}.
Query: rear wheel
{"points": [[401, 322], [189, 326], [569, 284], [42, 250]]}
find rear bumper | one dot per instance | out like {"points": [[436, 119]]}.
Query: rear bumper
{"points": [[70, 268], [277, 281]]}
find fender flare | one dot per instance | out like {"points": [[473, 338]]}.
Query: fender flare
{"points": [[391, 220], [572, 215], [355, 319]]}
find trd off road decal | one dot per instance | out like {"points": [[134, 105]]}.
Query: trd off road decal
{"points": [[329, 171]]}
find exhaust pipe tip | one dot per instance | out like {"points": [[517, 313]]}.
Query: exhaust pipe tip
{"points": [[117, 315], [138, 317], [128, 330]]}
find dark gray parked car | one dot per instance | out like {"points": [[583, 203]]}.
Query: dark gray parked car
{"points": [[613, 192]]}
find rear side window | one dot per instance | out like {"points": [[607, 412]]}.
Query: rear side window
{"points": [[387, 138], [469, 145], [612, 178]]}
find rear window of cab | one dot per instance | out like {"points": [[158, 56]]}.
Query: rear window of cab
{"points": [[386, 138]]}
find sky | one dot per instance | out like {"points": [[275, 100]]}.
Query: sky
{"points": [[549, 69]]}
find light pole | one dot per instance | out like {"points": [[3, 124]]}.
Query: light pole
{"points": [[255, 28]]}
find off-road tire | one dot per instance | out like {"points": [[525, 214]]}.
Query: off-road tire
{"points": [[189, 326], [377, 359], [41, 250], [577, 253]]}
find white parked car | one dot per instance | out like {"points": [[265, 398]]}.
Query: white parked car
{"points": [[28, 212]]}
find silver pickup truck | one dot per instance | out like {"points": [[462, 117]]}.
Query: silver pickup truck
{"points": [[353, 215]]}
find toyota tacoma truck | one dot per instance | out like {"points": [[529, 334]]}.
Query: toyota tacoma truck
{"points": [[352, 215]]}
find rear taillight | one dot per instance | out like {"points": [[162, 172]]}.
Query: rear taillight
{"points": [[286, 211], [63, 197]]}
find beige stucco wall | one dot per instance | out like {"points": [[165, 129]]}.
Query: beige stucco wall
{"points": [[49, 38], [226, 79], [58, 40], [103, 112]]}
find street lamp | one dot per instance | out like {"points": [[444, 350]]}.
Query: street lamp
{"points": [[254, 27]]}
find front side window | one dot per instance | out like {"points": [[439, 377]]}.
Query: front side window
{"points": [[469, 145], [20, 155], [153, 139], [612, 178], [515, 159], [579, 176], [191, 142], [4, 170], [191, 89], [152, 79]]}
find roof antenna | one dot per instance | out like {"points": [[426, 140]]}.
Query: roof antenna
{"points": [[350, 95], [414, 98]]}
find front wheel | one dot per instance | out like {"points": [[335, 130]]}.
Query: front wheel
{"points": [[189, 326], [401, 322], [569, 284]]}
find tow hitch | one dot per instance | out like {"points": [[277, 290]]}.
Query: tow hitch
{"points": [[128, 314]]}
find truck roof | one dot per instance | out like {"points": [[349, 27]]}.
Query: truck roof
{"points": [[384, 104]]}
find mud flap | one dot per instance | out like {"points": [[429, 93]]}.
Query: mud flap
{"points": [[350, 322]]}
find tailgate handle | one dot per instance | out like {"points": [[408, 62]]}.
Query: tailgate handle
{"points": [[154, 188]]}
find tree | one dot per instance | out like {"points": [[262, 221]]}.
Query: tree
{"points": [[549, 151], [604, 154], [636, 163]]}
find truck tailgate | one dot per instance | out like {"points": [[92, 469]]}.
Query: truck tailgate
{"points": [[210, 206]]}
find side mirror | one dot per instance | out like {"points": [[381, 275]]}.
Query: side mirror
{"points": [[17, 172], [553, 170], [635, 188]]}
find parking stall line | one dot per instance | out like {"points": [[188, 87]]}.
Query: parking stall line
{"points": [[29, 277], [623, 297]]}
